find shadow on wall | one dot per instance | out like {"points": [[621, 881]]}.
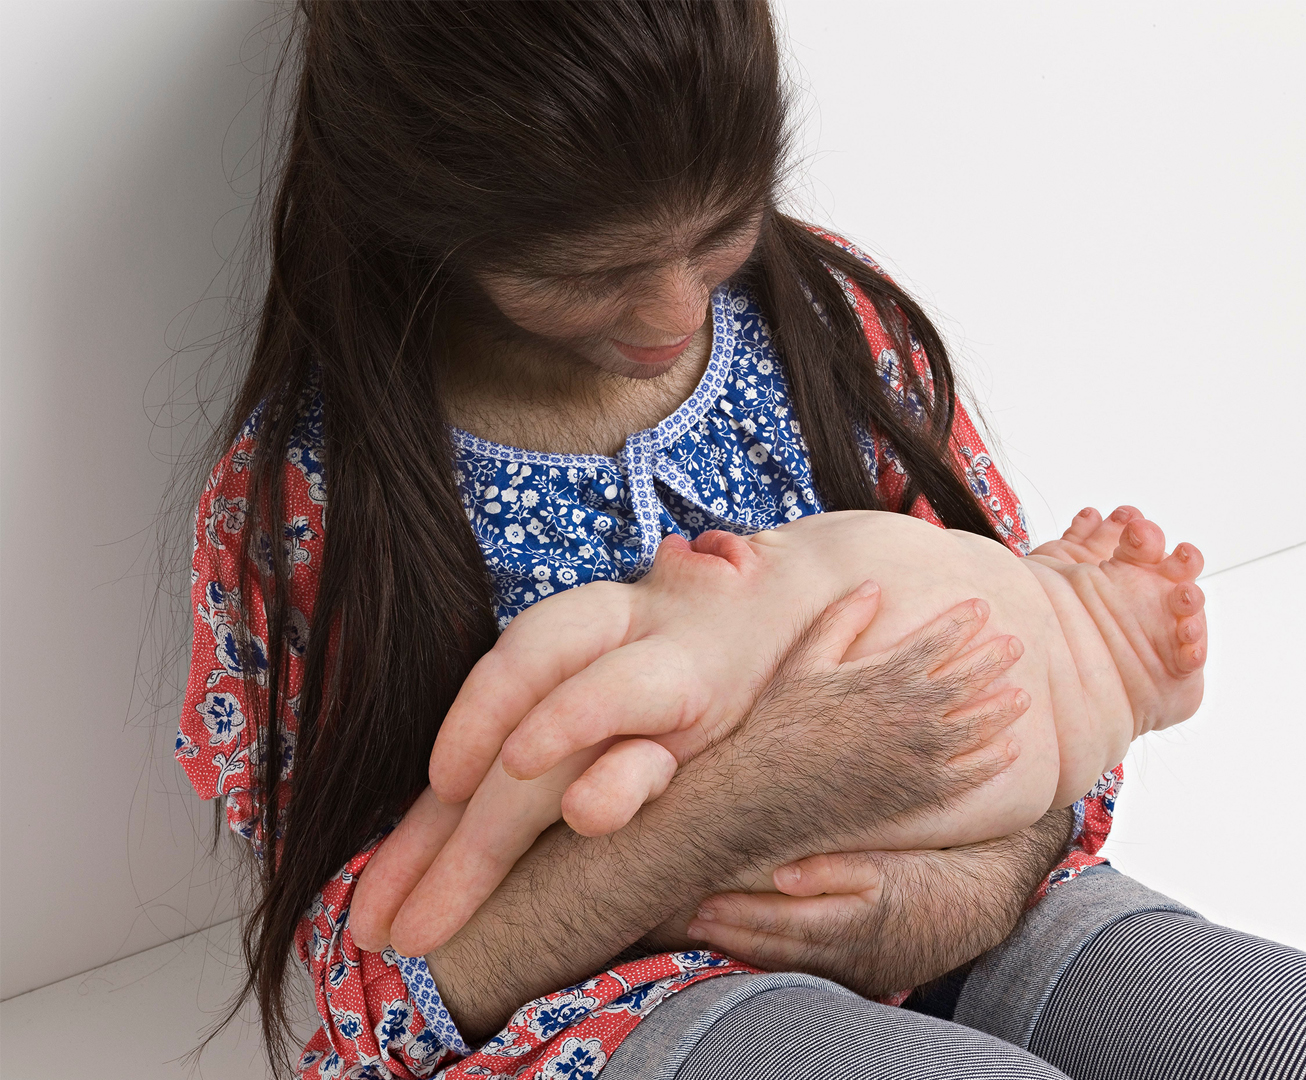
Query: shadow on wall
{"points": [[129, 167]]}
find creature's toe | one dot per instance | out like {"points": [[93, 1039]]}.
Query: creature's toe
{"points": [[1083, 526], [1191, 630], [1142, 541], [1184, 563], [1105, 536], [1191, 657], [1187, 599]]}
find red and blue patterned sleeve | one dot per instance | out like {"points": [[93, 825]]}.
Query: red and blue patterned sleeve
{"points": [[972, 461], [377, 1009], [216, 738]]}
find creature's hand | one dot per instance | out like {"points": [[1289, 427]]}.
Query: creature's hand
{"points": [[665, 658], [599, 788]]}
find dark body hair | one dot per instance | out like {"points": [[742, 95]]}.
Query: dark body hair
{"points": [[429, 141]]}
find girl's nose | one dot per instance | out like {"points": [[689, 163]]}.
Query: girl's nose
{"points": [[676, 304]]}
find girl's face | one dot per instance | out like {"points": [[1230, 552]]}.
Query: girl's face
{"points": [[630, 300]]}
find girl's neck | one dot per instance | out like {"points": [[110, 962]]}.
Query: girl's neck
{"points": [[519, 391]]}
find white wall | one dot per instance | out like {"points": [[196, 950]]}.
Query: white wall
{"points": [[117, 212], [1103, 202]]}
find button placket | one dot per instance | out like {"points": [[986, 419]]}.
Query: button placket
{"points": [[637, 461]]}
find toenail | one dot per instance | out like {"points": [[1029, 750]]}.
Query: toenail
{"points": [[1132, 535]]}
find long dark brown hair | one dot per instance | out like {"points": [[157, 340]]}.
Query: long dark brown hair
{"points": [[429, 141]]}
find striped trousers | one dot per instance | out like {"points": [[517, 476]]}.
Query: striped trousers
{"points": [[1104, 980]]}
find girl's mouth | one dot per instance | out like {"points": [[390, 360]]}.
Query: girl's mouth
{"points": [[659, 354]]}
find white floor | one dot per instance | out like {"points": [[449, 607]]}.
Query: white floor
{"points": [[137, 1018], [1210, 814]]}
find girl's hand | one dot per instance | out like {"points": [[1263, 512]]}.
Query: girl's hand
{"points": [[880, 922]]}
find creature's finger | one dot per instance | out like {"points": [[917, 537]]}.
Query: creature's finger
{"points": [[501, 822], [986, 718], [982, 764], [775, 913], [1187, 599], [631, 773], [767, 951], [941, 640], [830, 872], [649, 687], [1083, 525], [542, 647], [1184, 563], [398, 866], [827, 640], [977, 668]]}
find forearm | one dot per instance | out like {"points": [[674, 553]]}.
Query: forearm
{"points": [[574, 902], [929, 919], [827, 754]]}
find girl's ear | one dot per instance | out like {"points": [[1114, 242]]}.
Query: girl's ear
{"points": [[737, 551], [680, 563]]}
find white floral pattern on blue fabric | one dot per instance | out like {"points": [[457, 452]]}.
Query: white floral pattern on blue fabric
{"points": [[731, 457], [426, 997]]}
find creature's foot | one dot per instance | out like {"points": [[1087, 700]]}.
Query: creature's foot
{"points": [[1159, 635], [1090, 538]]}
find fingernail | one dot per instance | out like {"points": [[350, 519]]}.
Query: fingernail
{"points": [[705, 914], [787, 876], [1015, 649], [1022, 700]]}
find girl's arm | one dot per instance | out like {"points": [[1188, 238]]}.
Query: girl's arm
{"points": [[362, 998], [505, 815], [772, 789]]}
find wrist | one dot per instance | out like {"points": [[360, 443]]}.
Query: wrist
{"points": [[574, 902]]}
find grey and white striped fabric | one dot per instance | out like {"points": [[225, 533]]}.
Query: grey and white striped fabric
{"points": [[790, 1025], [798, 1033], [1105, 980], [1165, 996]]}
